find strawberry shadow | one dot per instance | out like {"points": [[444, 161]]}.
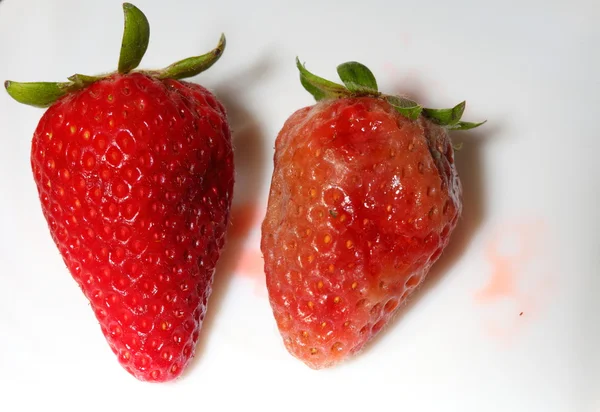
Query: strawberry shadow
{"points": [[472, 174], [249, 159]]}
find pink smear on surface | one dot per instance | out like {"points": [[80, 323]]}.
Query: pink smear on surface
{"points": [[251, 263], [246, 219], [519, 278]]}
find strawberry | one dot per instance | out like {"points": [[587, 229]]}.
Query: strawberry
{"points": [[363, 200], [134, 171]]}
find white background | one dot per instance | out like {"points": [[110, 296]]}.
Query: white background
{"points": [[531, 174]]}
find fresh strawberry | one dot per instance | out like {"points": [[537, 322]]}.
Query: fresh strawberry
{"points": [[135, 175], [364, 198]]}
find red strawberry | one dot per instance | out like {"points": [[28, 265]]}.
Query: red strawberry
{"points": [[363, 200], [135, 175]]}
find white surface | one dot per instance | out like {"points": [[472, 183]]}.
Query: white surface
{"points": [[529, 67]]}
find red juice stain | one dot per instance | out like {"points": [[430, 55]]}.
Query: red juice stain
{"points": [[245, 256], [515, 254], [244, 218], [251, 263]]}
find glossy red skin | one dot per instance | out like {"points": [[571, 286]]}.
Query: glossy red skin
{"points": [[135, 177], [362, 203]]}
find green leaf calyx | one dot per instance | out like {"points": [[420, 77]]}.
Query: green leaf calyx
{"points": [[37, 94], [358, 78], [359, 81], [136, 37], [318, 86], [193, 65]]}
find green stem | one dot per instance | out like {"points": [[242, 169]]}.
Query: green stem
{"points": [[38, 94], [359, 81], [136, 36], [191, 66]]}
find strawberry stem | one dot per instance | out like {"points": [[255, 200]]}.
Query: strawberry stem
{"points": [[405, 107], [81, 80], [136, 36], [358, 78], [447, 117], [193, 65], [360, 81], [466, 125], [318, 86], [37, 94]]}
